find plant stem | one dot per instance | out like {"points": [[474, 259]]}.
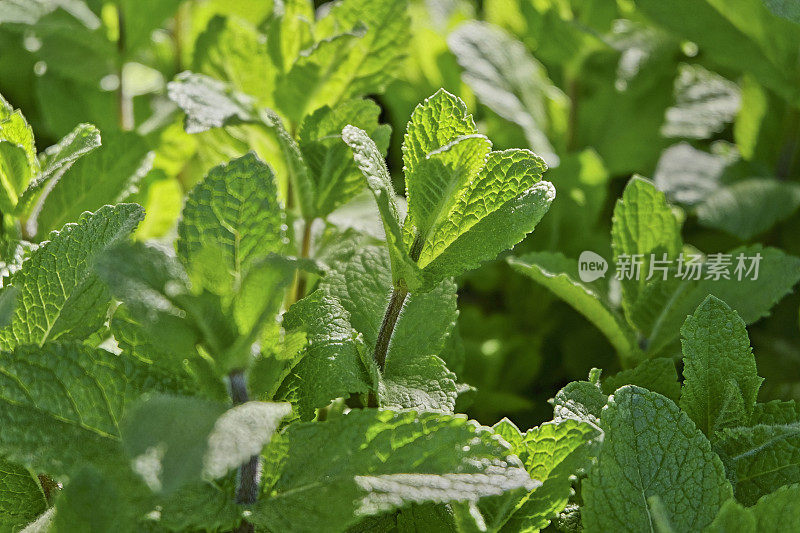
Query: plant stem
{"points": [[302, 279], [249, 472], [396, 302]]}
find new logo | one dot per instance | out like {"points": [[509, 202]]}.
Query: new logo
{"points": [[591, 266]]}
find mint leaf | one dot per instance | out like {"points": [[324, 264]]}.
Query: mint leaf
{"points": [[732, 516], [59, 293], [553, 453], [232, 50], [720, 377], [360, 48], [108, 175], [778, 510], [704, 103], [557, 273], [656, 375], [750, 207], [63, 414], [8, 302], [508, 80], [208, 103], [579, 400], [21, 496], [330, 161], [372, 165], [230, 219], [331, 366], [173, 440], [18, 162], [643, 228], [414, 377], [391, 466], [55, 161], [762, 457], [647, 435]]}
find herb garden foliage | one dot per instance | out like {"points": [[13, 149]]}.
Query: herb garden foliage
{"points": [[216, 314]]}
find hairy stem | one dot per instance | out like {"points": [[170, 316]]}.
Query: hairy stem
{"points": [[302, 277], [250, 471], [396, 302]]}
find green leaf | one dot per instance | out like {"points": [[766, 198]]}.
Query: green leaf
{"points": [[107, 176], [414, 377], [557, 273], [704, 103], [142, 17], [643, 228], [208, 103], [360, 50], [579, 400], [488, 218], [330, 161], [79, 506], [764, 456], [512, 83], [651, 449], [372, 165], [554, 452], [55, 161], [230, 219], [750, 207], [21, 497], [371, 461], [175, 440], [59, 294], [785, 9], [232, 50], [779, 510], [332, 366], [732, 518], [296, 167], [18, 162], [63, 402], [8, 302], [656, 375], [290, 32], [720, 377]]}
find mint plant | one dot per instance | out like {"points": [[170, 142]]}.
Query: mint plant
{"points": [[265, 277]]}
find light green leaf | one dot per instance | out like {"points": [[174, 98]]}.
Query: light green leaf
{"points": [[651, 449], [656, 375], [512, 83], [414, 377], [360, 50], [289, 32], [371, 461], [55, 161], [558, 274], [107, 176], [209, 103], [65, 401], [720, 377], [232, 50], [142, 17], [175, 440], [750, 207], [643, 228], [330, 161], [59, 294], [372, 165], [554, 453], [18, 162], [332, 366], [230, 219], [21, 497]]}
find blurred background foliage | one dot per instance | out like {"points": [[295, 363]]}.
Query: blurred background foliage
{"points": [[703, 97]]}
